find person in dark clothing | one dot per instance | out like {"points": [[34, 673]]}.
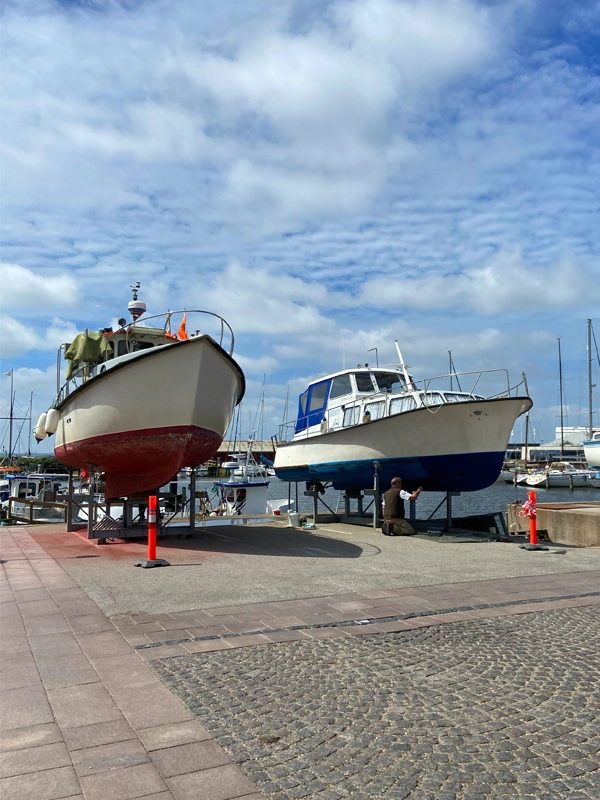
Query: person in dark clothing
{"points": [[393, 508]]}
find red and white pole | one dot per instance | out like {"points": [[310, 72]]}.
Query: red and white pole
{"points": [[532, 518], [152, 560], [152, 528], [529, 510]]}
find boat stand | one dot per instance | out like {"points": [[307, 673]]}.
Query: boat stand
{"points": [[359, 517], [447, 500], [132, 523], [316, 493]]}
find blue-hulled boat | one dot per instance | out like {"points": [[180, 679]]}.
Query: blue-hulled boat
{"points": [[356, 421]]}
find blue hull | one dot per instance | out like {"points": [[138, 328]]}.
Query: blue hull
{"points": [[467, 472]]}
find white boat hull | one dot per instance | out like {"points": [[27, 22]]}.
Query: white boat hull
{"points": [[560, 481], [508, 476], [454, 447], [591, 450], [141, 421]]}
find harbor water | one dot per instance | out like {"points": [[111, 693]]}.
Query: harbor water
{"points": [[487, 501]]}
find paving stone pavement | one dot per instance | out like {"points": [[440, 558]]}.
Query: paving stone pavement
{"points": [[492, 708], [413, 693]]}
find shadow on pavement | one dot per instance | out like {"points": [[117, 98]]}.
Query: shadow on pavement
{"points": [[264, 540]]}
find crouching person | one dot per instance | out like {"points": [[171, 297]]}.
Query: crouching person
{"points": [[393, 509]]}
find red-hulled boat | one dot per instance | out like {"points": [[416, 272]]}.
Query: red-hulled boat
{"points": [[139, 403]]}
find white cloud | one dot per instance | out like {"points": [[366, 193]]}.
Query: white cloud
{"points": [[257, 366], [259, 301], [442, 153], [505, 283], [23, 289], [19, 338]]}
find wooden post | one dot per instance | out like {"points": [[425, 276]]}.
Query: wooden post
{"points": [[192, 500], [70, 503], [91, 510], [377, 497]]}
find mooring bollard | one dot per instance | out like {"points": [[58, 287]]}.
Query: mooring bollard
{"points": [[152, 561], [529, 510]]}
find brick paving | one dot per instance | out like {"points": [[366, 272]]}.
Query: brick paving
{"points": [[466, 710], [428, 692]]}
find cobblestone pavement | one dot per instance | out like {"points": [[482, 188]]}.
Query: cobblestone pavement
{"points": [[495, 708]]}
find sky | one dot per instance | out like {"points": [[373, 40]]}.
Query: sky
{"points": [[328, 175]]}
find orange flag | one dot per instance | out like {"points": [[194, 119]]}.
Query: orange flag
{"points": [[182, 333]]}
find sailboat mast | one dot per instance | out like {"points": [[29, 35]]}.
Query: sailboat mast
{"points": [[450, 367], [560, 384], [29, 437], [590, 385], [12, 408]]}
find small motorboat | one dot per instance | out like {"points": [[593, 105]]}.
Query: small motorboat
{"points": [[561, 475]]}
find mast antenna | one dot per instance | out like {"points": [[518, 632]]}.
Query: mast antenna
{"points": [[404, 367], [136, 308]]}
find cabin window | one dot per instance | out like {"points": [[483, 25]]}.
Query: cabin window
{"points": [[341, 386], [401, 404], [363, 381], [318, 394], [432, 399], [142, 346], [351, 416], [452, 397], [303, 399], [301, 422], [122, 348], [376, 410], [389, 382]]}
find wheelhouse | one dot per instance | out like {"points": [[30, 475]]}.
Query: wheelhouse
{"points": [[356, 396]]}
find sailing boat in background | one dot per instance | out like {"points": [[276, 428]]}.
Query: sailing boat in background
{"points": [[591, 446]]}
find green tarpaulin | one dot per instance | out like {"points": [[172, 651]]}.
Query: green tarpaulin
{"points": [[88, 346]]}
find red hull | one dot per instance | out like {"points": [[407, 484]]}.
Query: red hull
{"points": [[141, 461]]}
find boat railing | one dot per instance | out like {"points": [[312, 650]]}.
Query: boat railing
{"points": [[88, 368], [478, 374], [168, 315]]}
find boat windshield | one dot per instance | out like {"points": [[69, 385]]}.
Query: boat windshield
{"points": [[363, 381], [341, 386], [389, 382]]}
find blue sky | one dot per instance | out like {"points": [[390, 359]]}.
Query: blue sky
{"points": [[328, 176]]}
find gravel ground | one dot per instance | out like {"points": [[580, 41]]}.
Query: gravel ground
{"points": [[498, 708]]}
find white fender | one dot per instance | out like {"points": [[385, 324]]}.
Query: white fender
{"points": [[52, 420], [40, 429]]}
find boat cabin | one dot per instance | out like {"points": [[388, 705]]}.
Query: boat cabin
{"points": [[93, 353], [361, 395], [38, 486]]}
